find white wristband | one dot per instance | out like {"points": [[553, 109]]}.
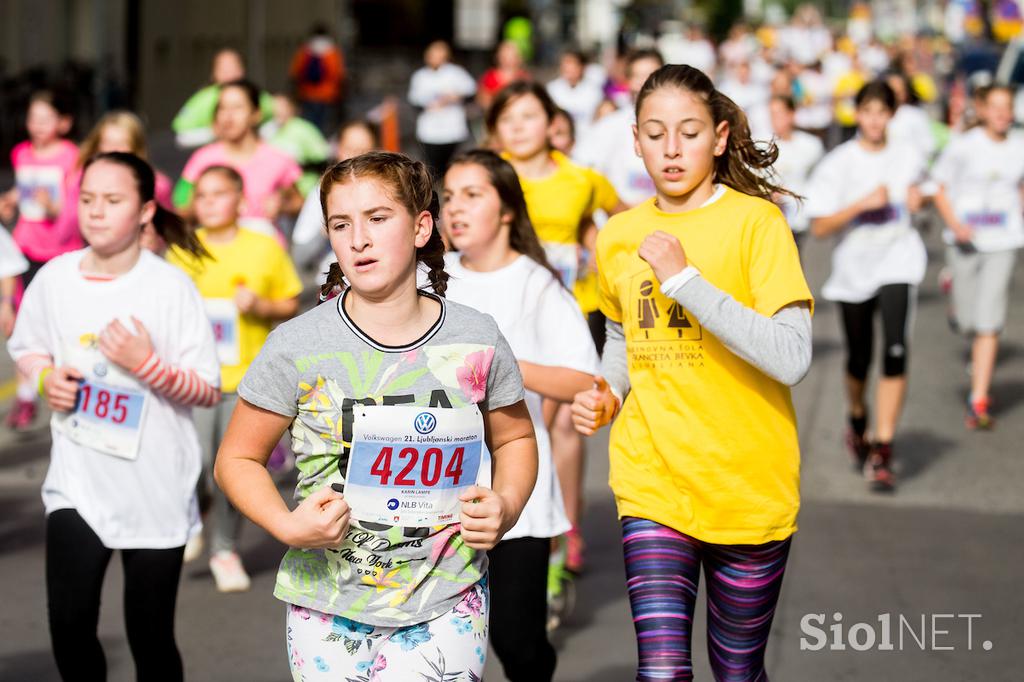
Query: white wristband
{"points": [[671, 286]]}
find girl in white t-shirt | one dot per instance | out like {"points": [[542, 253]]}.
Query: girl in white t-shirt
{"points": [[980, 177], [798, 153], [119, 345], [863, 192], [501, 269]]}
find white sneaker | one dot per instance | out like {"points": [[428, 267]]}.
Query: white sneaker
{"points": [[193, 548], [228, 572]]}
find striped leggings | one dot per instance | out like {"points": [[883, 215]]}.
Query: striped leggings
{"points": [[662, 574]]}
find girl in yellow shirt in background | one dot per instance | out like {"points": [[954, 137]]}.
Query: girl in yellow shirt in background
{"points": [[561, 198], [709, 323], [248, 284]]}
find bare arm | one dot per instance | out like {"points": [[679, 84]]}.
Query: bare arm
{"points": [[558, 383], [241, 472], [487, 514], [945, 207]]}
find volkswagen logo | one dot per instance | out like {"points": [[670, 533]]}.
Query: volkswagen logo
{"points": [[425, 423]]}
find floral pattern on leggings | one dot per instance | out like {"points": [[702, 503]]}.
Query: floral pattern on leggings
{"points": [[451, 648]]}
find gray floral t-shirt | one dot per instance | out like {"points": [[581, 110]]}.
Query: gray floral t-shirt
{"points": [[314, 368]]}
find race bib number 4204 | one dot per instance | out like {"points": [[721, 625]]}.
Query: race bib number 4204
{"points": [[408, 465]]}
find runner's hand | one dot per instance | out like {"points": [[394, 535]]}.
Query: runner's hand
{"points": [[126, 349], [485, 517], [594, 408], [245, 299], [319, 522], [963, 234], [879, 198], [664, 254], [60, 388]]}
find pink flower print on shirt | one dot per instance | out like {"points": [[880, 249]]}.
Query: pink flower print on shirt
{"points": [[410, 356], [444, 546], [473, 374]]}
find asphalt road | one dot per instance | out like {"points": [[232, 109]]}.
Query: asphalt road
{"points": [[945, 550]]}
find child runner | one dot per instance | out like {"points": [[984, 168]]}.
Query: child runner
{"points": [[608, 147], [980, 176], [121, 362], [12, 265], [247, 283], [561, 198], [501, 269], [116, 131], [299, 139], [269, 174], [708, 326], [798, 152], [385, 579], [193, 124], [863, 192], [42, 165], [439, 90]]}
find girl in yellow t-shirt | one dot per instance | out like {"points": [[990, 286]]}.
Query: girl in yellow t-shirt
{"points": [[561, 198], [709, 323]]}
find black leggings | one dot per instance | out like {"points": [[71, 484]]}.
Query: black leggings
{"points": [[895, 303], [518, 576], [76, 561]]}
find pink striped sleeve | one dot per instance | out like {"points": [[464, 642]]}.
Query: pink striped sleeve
{"points": [[179, 385]]}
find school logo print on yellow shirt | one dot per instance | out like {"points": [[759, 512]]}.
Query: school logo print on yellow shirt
{"points": [[657, 326]]}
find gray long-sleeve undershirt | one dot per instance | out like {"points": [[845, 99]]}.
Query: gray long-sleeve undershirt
{"points": [[779, 346]]}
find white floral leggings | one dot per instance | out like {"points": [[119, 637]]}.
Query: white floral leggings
{"points": [[450, 648]]}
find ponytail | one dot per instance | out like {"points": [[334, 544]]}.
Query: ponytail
{"points": [[173, 229]]}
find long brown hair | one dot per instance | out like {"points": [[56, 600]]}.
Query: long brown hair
{"points": [[745, 165], [171, 228], [521, 235], [410, 184]]}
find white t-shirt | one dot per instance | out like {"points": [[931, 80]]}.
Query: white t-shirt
{"points": [[982, 178], [815, 111], [911, 126], [797, 157], [878, 247], [581, 101], [543, 325], [752, 97], [148, 502], [447, 124], [12, 261], [608, 148]]}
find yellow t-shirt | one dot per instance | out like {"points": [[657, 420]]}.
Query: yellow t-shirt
{"points": [[557, 204], [706, 443], [251, 259], [847, 87]]}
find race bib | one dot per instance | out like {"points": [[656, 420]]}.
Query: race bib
{"points": [[223, 316], [565, 259], [986, 220], [408, 465], [109, 409], [30, 181]]}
